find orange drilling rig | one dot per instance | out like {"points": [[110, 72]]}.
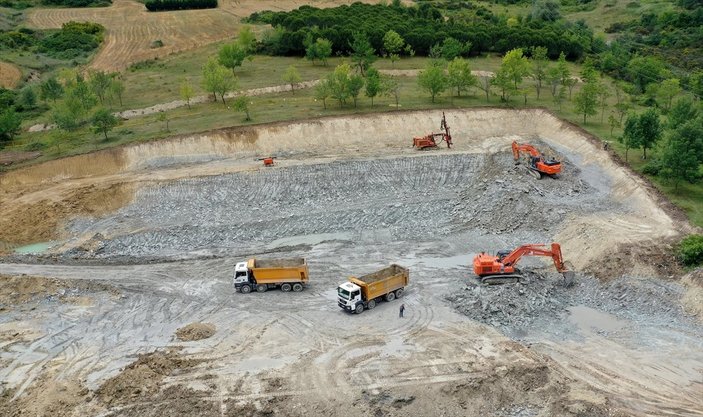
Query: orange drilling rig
{"points": [[500, 269], [434, 139], [537, 164]]}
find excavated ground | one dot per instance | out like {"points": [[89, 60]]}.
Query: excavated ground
{"points": [[171, 335]]}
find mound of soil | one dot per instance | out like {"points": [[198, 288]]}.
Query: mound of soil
{"points": [[195, 331], [142, 378]]}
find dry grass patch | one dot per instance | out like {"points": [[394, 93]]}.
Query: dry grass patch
{"points": [[10, 75]]}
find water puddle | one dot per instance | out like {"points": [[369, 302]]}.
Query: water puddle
{"points": [[591, 320], [35, 248]]}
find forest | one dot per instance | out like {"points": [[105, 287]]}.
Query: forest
{"points": [[421, 27]]}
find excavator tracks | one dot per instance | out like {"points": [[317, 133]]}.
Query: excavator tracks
{"points": [[502, 279]]}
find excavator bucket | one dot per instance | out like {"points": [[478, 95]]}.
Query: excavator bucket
{"points": [[568, 278]]}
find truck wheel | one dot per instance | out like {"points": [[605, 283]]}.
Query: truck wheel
{"points": [[390, 296], [261, 288], [359, 309], [399, 293], [297, 287], [245, 289], [371, 304], [285, 287]]}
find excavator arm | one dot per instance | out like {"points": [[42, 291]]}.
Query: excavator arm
{"points": [[538, 165], [501, 268], [537, 250], [522, 147]]}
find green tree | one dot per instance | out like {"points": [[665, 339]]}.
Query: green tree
{"points": [[668, 89], [100, 82], [338, 82], [682, 111], [540, 64], [390, 86], [649, 129], [484, 84], [630, 135], [452, 48], [292, 77], [459, 75], [363, 54], [10, 123], [356, 83], [27, 99], [218, 80], [502, 80], [241, 104], [677, 160], [81, 92], [50, 89], [513, 69], [323, 92], [516, 66], [103, 121], [163, 117], [586, 101], [117, 88], [319, 50], [232, 55], [644, 70], [613, 123], [545, 10], [603, 96], [186, 91], [247, 40], [373, 83], [433, 80], [393, 44]]}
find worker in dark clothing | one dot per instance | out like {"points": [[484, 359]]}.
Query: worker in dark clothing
{"points": [[402, 310]]}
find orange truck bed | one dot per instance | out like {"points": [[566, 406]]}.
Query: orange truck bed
{"points": [[382, 282], [279, 270]]}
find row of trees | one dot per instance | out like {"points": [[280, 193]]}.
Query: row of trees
{"points": [[421, 28]]}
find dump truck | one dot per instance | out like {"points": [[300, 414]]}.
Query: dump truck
{"points": [[263, 275], [365, 292]]}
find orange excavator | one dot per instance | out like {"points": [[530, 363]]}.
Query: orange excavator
{"points": [[537, 164], [500, 269], [434, 139]]}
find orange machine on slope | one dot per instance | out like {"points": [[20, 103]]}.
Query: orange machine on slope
{"points": [[434, 139], [500, 269], [537, 164]]}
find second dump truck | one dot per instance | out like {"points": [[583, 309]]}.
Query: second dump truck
{"points": [[262, 275], [365, 292]]}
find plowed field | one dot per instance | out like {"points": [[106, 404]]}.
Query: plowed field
{"points": [[131, 28]]}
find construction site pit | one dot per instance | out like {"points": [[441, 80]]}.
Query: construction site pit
{"points": [[117, 266]]}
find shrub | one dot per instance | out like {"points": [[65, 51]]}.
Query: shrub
{"points": [[690, 250], [652, 168]]}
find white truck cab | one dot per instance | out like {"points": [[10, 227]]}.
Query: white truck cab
{"points": [[348, 295], [241, 274]]}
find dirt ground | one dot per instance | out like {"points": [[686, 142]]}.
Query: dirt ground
{"points": [[350, 196], [131, 29]]}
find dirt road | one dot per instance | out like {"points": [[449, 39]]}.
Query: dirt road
{"points": [[350, 196]]}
